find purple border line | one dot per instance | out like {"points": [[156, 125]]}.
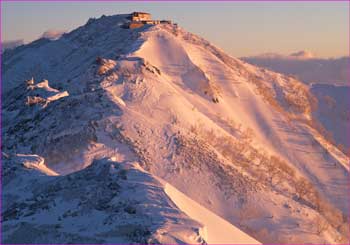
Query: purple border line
{"points": [[1, 121], [159, 1], [149, 2], [348, 133]]}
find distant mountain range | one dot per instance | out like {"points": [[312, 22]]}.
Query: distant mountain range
{"points": [[306, 67]]}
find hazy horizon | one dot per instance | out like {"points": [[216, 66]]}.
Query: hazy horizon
{"points": [[241, 29]]}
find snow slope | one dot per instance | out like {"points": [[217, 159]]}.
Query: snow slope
{"points": [[216, 229], [236, 139], [333, 111], [118, 193]]}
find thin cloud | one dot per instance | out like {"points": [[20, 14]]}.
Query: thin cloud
{"points": [[52, 34], [300, 55]]}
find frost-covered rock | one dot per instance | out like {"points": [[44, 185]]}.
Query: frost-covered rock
{"points": [[42, 93], [108, 202]]}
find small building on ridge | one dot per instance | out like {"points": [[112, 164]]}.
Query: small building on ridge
{"points": [[140, 16]]}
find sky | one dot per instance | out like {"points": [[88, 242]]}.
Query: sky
{"points": [[240, 28]]}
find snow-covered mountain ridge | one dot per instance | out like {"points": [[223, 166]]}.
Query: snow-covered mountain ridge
{"points": [[236, 139]]}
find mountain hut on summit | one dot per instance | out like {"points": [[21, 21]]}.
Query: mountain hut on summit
{"points": [[138, 19], [140, 16]]}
